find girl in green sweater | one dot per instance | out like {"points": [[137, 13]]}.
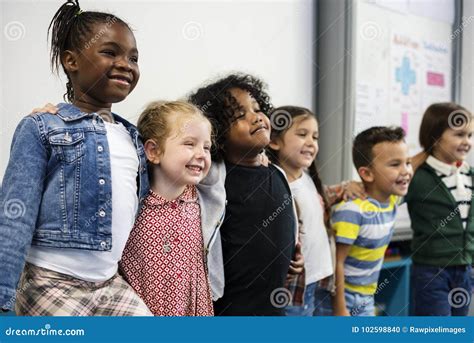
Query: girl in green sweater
{"points": [[439, 203]]}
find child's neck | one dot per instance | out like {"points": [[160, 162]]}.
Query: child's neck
{"points": [[247, 160], [166, 187], [292, 173], [377, 194], [441, 158], [104, 110]]}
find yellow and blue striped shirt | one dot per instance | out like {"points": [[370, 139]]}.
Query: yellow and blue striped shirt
{"points": [[367, 225]]}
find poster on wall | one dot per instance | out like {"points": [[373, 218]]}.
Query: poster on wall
{"points": [[420, 74], [405, 83], [437, 72]]}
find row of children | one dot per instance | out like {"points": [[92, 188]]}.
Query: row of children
{"points": [[93, 237]]}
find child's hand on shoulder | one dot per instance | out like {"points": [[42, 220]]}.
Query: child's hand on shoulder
{"points": [[353, 190], [263, 159], [48, 108]]}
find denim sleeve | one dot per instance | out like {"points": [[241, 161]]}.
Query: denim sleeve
{"points": [[20, 199]]}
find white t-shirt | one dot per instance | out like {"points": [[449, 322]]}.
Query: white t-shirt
{"points": [[98, 266], [314, 238]]}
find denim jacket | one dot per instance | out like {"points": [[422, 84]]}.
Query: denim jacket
{"points": [[56, 191]]}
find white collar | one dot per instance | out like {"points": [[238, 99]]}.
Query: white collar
{"points": [[448, 169], [445, 168]]}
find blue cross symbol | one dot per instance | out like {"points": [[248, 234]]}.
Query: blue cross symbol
{"points": [[405, 75]]}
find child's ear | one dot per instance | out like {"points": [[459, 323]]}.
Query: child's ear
{"points": [[69, 60], [152, 151], [366, 174], [274, 145]]}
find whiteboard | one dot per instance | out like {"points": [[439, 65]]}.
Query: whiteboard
{"points": [[403, 63]]}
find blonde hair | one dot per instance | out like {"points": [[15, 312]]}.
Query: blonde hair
{"points": [[161, 118]]}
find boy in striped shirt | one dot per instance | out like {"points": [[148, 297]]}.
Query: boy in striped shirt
{"points": [[364, 226]]}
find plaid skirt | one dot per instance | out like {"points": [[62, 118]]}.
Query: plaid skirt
{"points": [[43, 292]]}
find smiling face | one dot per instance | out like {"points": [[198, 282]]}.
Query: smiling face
{"points": [[298, 146], [454, 145], [249, 131], [185, 158], [390, 171], [106, 69]]}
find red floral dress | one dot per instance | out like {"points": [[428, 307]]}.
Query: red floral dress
{"points": [[164, 258]]}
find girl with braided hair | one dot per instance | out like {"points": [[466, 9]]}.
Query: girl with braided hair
{"points": [[77, 177]]}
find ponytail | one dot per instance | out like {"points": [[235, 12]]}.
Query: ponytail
{"points": [[69, 30]]}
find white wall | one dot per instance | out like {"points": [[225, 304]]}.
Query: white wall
{"points": [[181, 44]]}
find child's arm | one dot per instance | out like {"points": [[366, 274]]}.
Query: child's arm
{"points": [[418, 160], [346, 220], [20, 198], [339, 301], [344, 191]]}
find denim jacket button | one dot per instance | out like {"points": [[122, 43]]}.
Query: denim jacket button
{"points": [[102, 213], [101, 182], [103, 244], [100, 148]]}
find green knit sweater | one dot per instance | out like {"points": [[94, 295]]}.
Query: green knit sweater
{"points": [[439, 238]]}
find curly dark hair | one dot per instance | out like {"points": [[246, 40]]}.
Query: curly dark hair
{"points": [[218, 104]]}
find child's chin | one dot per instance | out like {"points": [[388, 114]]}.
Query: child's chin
{"points": [[195, 180], [264, 141], [257, 148], [115, 98], [400, 192]]}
